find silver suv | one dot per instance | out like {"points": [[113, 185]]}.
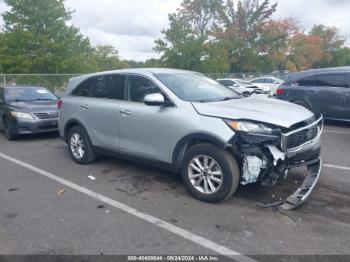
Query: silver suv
{"points": [[188, 123]]}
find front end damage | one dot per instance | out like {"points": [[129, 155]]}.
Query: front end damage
{"points": [[267, 159]]}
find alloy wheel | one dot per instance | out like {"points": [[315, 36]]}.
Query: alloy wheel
{"points": [[77, 146], [205, 174]]}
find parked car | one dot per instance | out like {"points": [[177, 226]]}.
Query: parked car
{"points": [[272, 82], [245, 88], [27, 110], [323, 91], [191, 124]]}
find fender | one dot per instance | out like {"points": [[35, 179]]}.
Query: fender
{"points": [[72, 122], [181, 146]]}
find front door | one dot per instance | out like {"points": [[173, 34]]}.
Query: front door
{"points": [[144, 130]]}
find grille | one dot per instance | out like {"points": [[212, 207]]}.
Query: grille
{"points": [[46, 115], [301, 137]]}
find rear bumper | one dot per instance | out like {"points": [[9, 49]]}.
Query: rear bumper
{"points": [[37, 126]]}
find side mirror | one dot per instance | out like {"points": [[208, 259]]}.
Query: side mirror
{"points": [[156, 99]]}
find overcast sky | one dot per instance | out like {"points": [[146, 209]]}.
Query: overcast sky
{"points": [[133, 25]]}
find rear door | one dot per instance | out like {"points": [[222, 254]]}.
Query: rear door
{"points": [[99, 112], [327, 94]]}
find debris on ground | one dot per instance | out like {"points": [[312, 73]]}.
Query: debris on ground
{"points": [[107, 211], [91, 177], [272, 204], [14, 189], [100, 206], [61, 192]]}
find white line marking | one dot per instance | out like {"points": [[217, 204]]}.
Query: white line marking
{"points": [[222, 250], [337, 132], [337, 167]]}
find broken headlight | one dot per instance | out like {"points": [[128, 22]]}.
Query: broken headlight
{"points": [[251, 127]]}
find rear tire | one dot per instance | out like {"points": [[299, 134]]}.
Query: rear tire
{"points": [[79, 146], [200, 171], [9, 133]]}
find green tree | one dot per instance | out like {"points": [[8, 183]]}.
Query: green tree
{"points": [[244, 28], [106, 57], [189, 42], [37, 39], [331, 43]]}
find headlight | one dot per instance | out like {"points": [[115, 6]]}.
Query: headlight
{"points": [[22, 115], [250, 127]]}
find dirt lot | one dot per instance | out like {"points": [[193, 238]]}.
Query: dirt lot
{"points": [[49, 206]]}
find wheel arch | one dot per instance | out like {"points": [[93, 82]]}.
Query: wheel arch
{"points": [[194, 139], [70, 124]]}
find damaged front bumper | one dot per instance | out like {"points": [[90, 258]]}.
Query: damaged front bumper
{"points": [[268, 159]]}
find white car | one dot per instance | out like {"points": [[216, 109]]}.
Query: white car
{"points": [[272, 82], [245, 88]]}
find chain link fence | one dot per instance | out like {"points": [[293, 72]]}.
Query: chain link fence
{"points": [[58, 82], [248, 76], [54, 82]]}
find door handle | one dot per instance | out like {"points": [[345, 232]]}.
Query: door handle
{"points": [[125, 112], [85, 107]]}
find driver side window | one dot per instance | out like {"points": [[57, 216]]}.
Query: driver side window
{"points": [[138, 87]]}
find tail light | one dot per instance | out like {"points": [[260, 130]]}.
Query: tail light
{"points": [[280, 91], [59, 103]]}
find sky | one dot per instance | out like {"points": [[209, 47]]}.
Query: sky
{"points": [[132, 26]]}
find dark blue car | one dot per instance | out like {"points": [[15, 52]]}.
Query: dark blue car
{"points": [[325, 91], [27, 110]]}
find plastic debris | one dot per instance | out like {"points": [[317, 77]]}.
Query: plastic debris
{"points": [[13, 189], [100, 206], [91, 177], [61, 192]]}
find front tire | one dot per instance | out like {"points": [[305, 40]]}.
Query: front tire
{"points": [[9, 133], [210, 173], [80, 146]]}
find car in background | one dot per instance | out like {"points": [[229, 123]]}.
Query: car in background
{"points": [[325, 91], [27, 110], [245, 88], [272, 82]]}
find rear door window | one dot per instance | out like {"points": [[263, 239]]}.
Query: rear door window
{"points": [[307, 81], [331, 80], [108, 87]]}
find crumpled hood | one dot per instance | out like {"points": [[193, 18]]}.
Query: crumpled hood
{"points": [[267, 110], [34, 106]]}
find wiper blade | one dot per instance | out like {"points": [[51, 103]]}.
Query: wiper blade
{"points": [[228, 98]]}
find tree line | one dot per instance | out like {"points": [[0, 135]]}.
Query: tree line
{"points": [[203, 35]]}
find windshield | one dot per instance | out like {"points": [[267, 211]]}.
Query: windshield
{"points": [[196, 87], [243, 83], [24, 94]]}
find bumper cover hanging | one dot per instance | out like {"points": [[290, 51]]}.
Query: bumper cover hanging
{"points": [[305, 190]]}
